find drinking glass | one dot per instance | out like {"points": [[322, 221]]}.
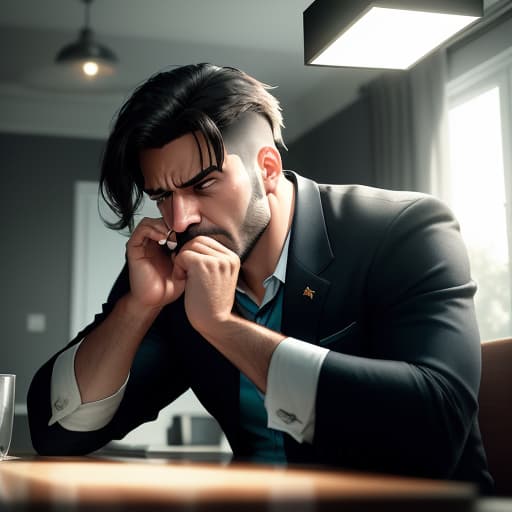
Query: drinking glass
{"points": [[7, 383]]}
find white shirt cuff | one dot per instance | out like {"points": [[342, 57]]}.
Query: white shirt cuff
{"points": [[291, 388], [67, 407]]}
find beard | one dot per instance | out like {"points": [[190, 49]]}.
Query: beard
{"points": [[253, 227], [257, 216], [254, 224]]}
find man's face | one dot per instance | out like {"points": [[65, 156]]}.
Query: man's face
{"points": [[229, 205]]}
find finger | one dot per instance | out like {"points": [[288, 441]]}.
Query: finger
{"points": [[147, 229], [167, 239], [207, 245], [204, 258], [179, 272]]}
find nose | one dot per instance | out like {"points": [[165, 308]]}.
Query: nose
{"points": [[180, 211]]}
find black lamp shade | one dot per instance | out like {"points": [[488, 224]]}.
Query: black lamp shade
{"points": [[86, 48]]}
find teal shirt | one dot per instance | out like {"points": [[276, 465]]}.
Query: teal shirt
{"points": [[267, 444]]}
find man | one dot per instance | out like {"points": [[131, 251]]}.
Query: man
{"points": [[317, 323]]}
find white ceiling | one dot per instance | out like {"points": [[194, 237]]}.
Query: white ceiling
{"points": [[262, 37]]}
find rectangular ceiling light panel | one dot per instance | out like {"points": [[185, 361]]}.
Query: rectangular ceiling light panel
{"points": [[386, 37]]}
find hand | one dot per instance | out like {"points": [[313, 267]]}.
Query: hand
{"points": [[210, 271], [153, 282]]}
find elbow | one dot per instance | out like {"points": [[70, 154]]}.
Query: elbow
{"points": [[56, 441], [450, 423]]}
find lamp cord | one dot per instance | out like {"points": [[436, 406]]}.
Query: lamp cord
{"points": [[87, 12]]}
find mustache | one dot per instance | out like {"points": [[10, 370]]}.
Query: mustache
{"points": [[192, 232]]}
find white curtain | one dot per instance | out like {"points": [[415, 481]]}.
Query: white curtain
{"points": [[409, 132]]}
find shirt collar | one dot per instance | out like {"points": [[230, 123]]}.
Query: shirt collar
{"points": [[280, 270], [278, 277]]}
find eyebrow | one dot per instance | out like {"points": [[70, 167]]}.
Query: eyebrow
{"points": [[189, 183]]}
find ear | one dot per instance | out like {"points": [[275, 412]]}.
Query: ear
{"points": [[271, 167]]}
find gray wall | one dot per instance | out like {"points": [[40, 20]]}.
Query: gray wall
{"points": [[482, 46], [36, 179], [336, 151]]}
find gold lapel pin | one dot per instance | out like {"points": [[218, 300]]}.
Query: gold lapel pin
{"points": [[309, 293]]}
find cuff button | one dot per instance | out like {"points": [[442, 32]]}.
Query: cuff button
{"points": [[60, 404], [287, 417]]}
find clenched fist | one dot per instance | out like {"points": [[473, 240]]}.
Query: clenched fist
{"points": [[210, 273]]}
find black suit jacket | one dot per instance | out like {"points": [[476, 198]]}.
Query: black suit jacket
{"points": [[393, 301]]}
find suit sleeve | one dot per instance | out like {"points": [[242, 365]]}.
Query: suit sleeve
{"points": [[409, 407], [148, 390]]}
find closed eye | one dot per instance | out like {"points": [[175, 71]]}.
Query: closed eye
{"points": [[205, 184]]}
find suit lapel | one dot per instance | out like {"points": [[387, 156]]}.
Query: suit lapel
{"points": [[309, 254]]}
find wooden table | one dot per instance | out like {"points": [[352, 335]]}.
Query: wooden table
{"points": [[86, 484]]}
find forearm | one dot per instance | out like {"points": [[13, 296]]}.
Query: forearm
{"points": [[247, 345], [394, 417], [104, 358]]}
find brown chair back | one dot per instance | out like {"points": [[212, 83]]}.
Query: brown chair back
{"points": [[495, 415]]}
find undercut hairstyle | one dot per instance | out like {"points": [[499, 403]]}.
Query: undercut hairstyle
{"points": [[198, 98]]}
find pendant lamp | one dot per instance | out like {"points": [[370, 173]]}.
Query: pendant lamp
{"points": [[92, 57], [389, 34]]}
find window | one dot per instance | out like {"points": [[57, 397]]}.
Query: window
{"points": [[478, 187]]}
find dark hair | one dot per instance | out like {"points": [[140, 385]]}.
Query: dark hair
{"points": [[195, 98]]}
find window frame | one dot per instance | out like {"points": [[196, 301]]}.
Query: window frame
{"points": [[496, 72]]}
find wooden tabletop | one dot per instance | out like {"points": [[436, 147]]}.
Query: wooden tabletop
{"points": [[83, 484]]}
